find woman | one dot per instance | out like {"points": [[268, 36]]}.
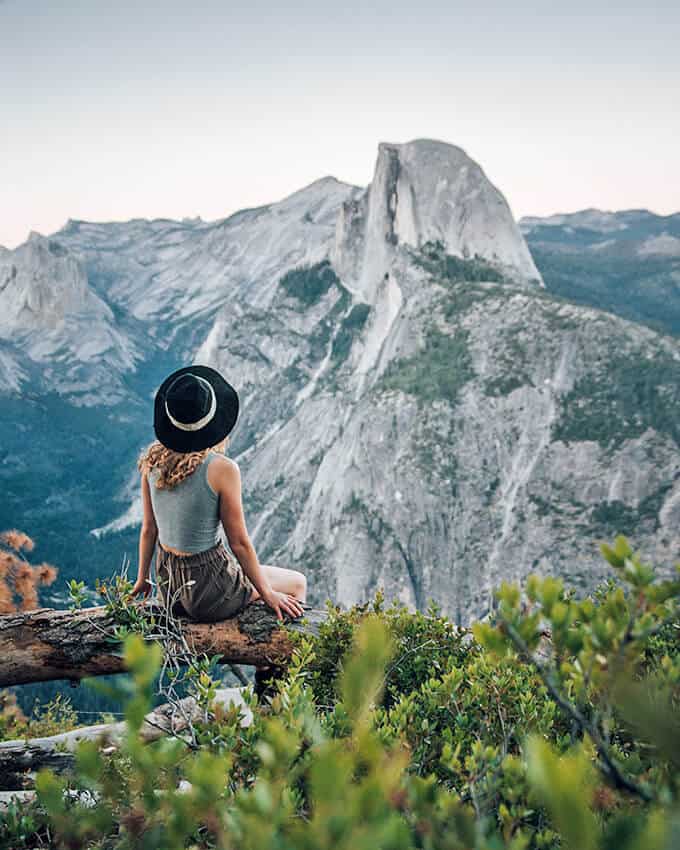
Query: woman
{"points": [[189, 487]]}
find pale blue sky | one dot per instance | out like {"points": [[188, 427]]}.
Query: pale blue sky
{"points": [[116, 110]]}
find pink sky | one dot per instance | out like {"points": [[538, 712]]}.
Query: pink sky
{"points": [[165, 109]]}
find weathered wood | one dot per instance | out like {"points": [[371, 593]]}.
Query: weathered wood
{"points": [[16, 797], [20, 757], [47, 644]]}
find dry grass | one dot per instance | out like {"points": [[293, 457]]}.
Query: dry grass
{"points": [[19, 583], [19, 580]]}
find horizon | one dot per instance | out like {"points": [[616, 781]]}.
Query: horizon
{"points": [[151, 110], [220, 219]]}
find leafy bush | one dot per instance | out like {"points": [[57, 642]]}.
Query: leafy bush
{"points": [[56, 715], [425, 646], [553, 726]]}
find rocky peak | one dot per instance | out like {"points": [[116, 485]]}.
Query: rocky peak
{"points": [[598, 221], [59, 333], [427, 191], [40, 282]]}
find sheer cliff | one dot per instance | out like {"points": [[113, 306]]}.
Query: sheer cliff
{"points": [[418, 411]]}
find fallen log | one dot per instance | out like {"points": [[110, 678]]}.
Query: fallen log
{"points": [[21, 757], [48, 644], [7, 798]]}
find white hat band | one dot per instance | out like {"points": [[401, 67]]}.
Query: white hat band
{"points": [[203, 421]]}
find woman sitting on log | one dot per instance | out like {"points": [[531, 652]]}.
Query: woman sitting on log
{"points": [[189, 487]]}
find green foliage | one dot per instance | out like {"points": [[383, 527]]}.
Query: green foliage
{"points": [[505, 384], [615, 517], [446, 267], [437, 372], [77, 595], [620, 398], [561, 782], [319, 339], [554, 726], [639, 289], [596, 648], [135, 795], [444, 365], [48, 718], [309, 283], [350, 327], [425, 645]]}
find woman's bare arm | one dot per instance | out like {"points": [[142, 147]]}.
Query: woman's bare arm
{"points": [[148, 535], [231, 514]]}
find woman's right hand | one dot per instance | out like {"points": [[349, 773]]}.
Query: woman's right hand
{"points": [[283, 603], [142, 587]]}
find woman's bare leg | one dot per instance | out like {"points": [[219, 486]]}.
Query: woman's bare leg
{"points": [[285, 581]]}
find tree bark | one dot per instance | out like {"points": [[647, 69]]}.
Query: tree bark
{"points": [[48, 644], [18, 797], [20, 758]]}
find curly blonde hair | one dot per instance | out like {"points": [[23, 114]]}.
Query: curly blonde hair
{"points": [[174, 466]]}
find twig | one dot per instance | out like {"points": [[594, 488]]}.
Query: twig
{"points": [[609, 766]]}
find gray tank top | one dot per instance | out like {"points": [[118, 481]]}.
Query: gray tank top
{"points": [[187, 515]]}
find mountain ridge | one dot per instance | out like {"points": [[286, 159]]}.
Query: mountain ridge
{"points": [[418, 410], [626, 262]]}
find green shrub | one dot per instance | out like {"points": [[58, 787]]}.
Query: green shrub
{"points": [[554, 726], [49, 718], [426, 644]]}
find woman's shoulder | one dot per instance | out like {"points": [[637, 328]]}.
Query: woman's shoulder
{"points": [[223, 464], [221, 468]]}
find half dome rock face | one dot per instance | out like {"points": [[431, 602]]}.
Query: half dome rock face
{"points": [[426, 191]]}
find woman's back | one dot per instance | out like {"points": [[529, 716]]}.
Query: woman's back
{"points": [[188, 514]]}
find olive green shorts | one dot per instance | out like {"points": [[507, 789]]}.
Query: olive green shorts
{"points": [[205, 586]]}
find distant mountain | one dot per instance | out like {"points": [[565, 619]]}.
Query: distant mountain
{"points": [[418, 410], [626, 262], [59, 335], [155, 287]]}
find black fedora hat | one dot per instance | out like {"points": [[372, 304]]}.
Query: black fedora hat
{"points": [[194, 407]]}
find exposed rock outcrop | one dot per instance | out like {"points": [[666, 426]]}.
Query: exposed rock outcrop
{"points": [[418, 412]]}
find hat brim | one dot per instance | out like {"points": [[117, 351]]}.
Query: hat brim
{"points": [[215, 431]]}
